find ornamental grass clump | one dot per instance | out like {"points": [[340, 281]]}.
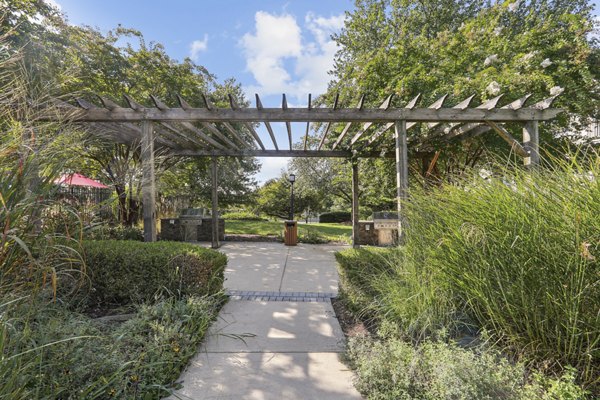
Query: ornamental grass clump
{"points": [[521, 251]]}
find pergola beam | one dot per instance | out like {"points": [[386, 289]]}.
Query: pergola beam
{"points": [[148, 182], [411, 104], [309, 106], [215, 205], [288, 126], [324, 137], [259, 106], [314, 115], [384, 106], [275, 153], [184, 104], [360, 105], [401, 170], [355, 197], [504, 134]]}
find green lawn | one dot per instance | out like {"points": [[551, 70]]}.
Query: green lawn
{"points": [[334, 232]]}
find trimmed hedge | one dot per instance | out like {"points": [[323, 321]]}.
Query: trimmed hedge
{"points": [[124, 272], [335, 216]]}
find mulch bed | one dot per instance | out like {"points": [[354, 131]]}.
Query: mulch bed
{"points": [[351, 326]]}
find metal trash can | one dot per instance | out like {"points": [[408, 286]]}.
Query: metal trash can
{"points": [[291, 233]]}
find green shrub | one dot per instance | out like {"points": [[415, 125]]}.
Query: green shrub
{"points": [[335, 216], [523, 253], [242, 216], [123, 272], [379, 285], [516, 257], [393, 369], [50, 352], [119, 232], [312, 236]]}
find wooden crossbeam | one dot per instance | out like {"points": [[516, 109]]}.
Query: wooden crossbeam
{"points": [[227, 126], [277, 153], [259, 106], [308, 123], [324, 137], [454, 129], [208, 126], [460, 106], [288, 126], [200, 133], [181, 136], [483, 128], [504, 134], [384, 106], [360, 105], [411, 104], [248, 126], [314, 115]]}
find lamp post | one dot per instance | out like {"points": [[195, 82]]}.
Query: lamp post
{"points": [[292, 179]]}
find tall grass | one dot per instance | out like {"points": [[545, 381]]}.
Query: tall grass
{"points": [[521, 251]]}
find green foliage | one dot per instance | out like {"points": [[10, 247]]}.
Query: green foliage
{"points": [[381, 285], [440, 47], [514, 256], [128, 271], [273, 198], [520, 250], [394, 369], [312, 236], [335, 216], [242, 216], [52, 353], [119, 232]]}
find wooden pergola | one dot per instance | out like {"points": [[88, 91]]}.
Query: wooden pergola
{"points": [[231, 132]]}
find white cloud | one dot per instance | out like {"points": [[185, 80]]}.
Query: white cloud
{"points": [[197, 47], [283, 60], [272, 167]]}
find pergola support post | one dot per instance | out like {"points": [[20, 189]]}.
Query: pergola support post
{"points": [[148, 182], [401, 171], [355, 227], [531, 143], [215, 205]]}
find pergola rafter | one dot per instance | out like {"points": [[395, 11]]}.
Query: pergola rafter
{"points": [[212, 132]]}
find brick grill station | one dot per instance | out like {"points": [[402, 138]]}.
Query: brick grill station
{"points": [[171, 229]]}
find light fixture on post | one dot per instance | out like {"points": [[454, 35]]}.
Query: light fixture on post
{"points": [[292, 179]]}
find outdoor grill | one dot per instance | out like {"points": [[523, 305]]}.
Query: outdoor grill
{"points": [[189, 220], [385, 223]]}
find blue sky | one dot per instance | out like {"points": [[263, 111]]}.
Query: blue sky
{"points": [[271, 47]]}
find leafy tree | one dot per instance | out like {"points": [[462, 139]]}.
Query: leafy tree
{"points": [[82, 62], [468, 47], [273, 198]]}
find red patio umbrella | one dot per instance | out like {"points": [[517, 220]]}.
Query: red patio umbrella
{"points": [[79, 180]]}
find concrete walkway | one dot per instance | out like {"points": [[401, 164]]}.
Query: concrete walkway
{"points": [[277, 337]]}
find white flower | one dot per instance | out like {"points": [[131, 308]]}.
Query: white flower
{"points": [[546, 63], [498, 31], [556, 90], [493, 88], [529, 56], [490, 60], [514, 6], [485, 173]]}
